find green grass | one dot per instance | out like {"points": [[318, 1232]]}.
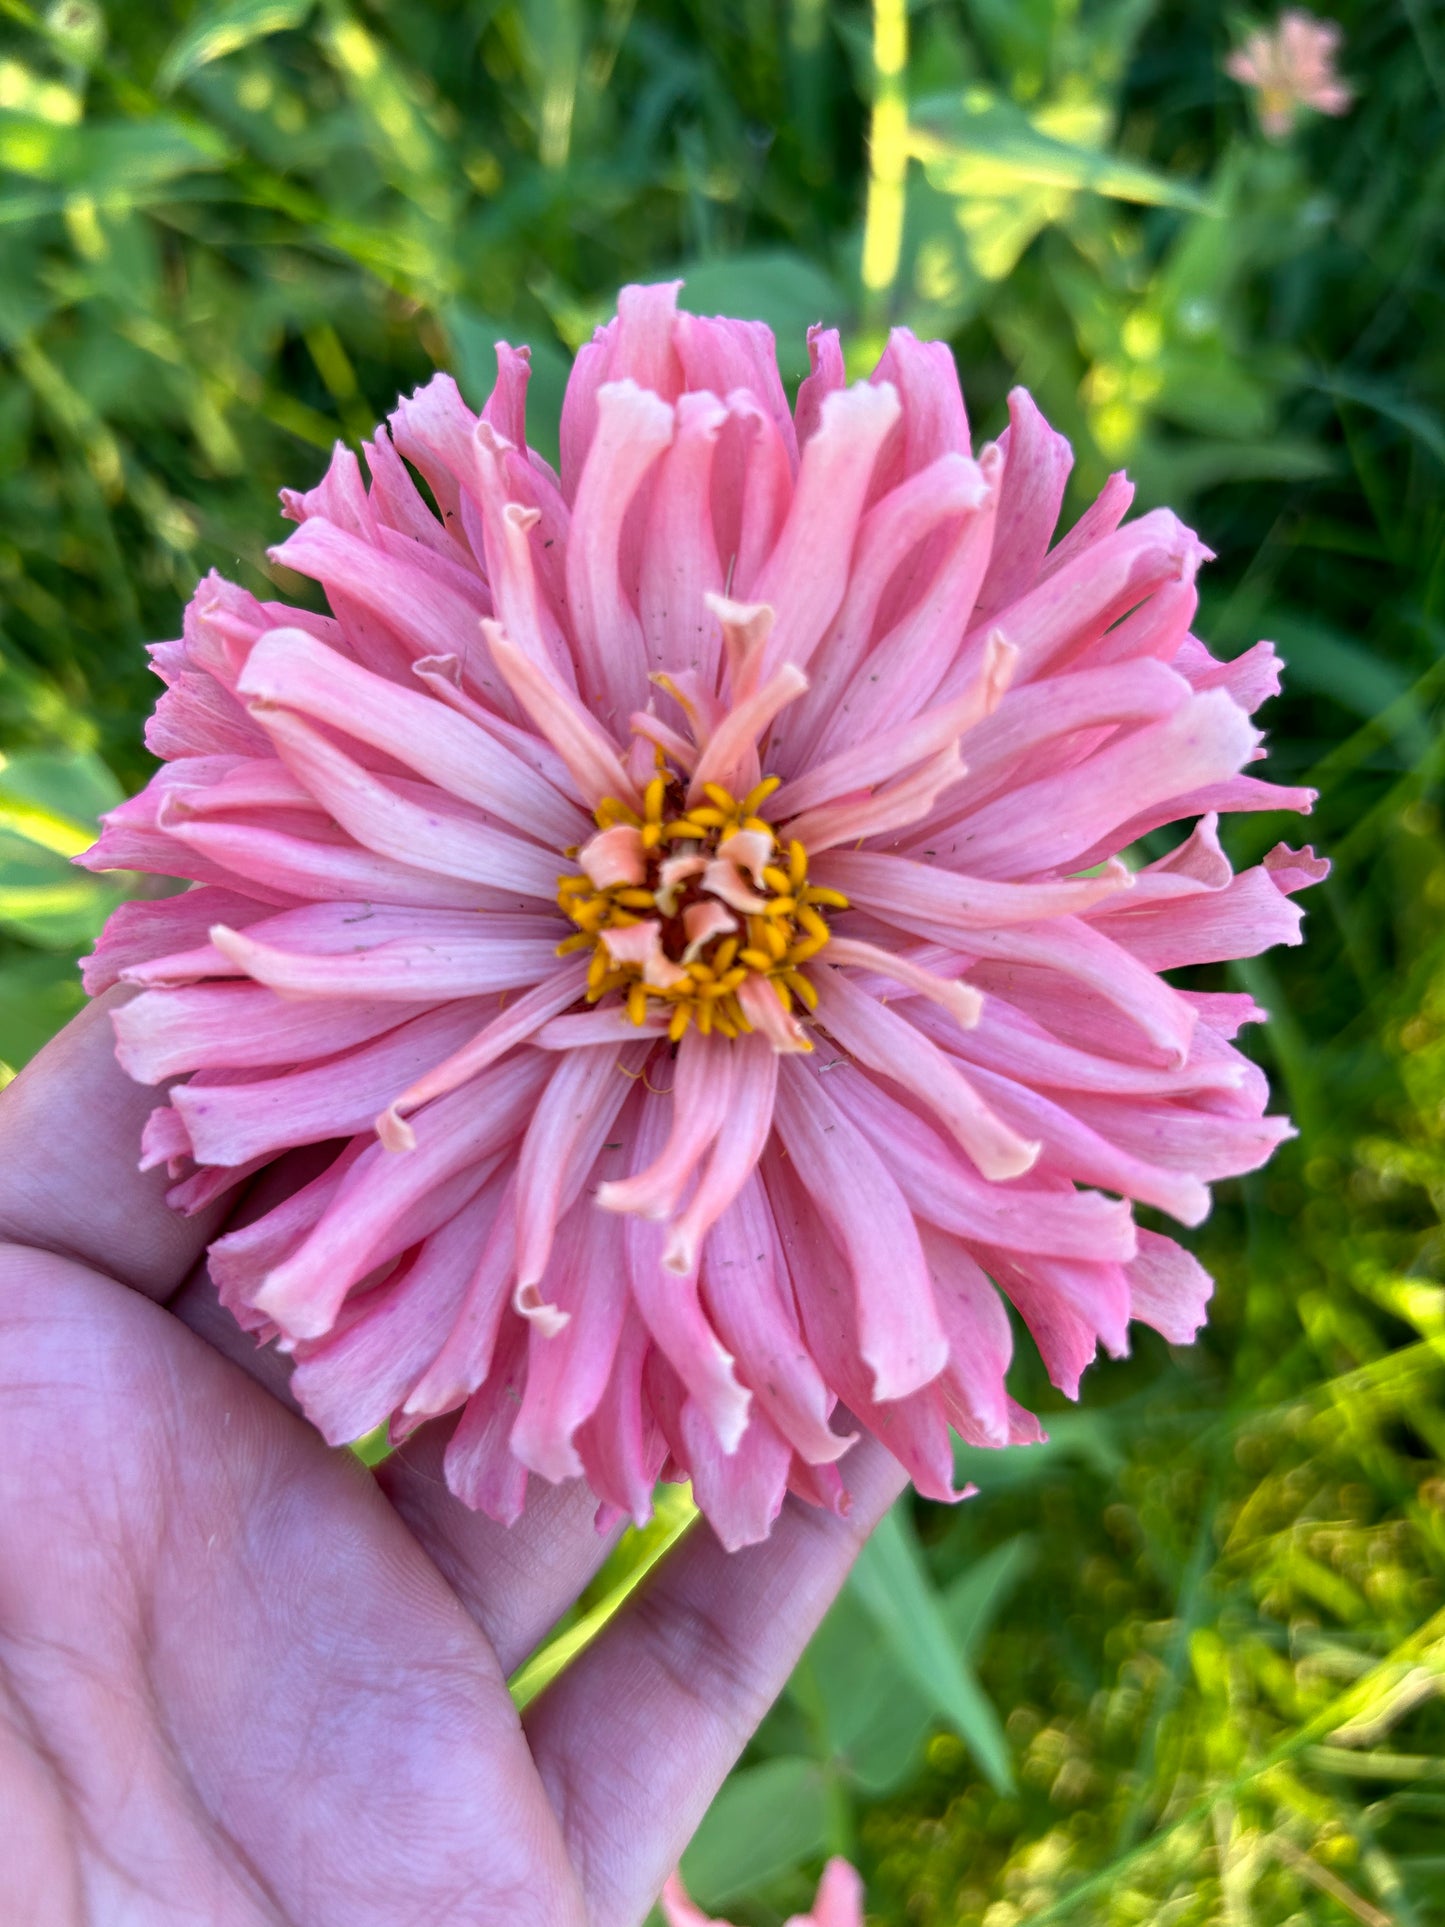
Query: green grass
{"points": [[1186, 1657]]}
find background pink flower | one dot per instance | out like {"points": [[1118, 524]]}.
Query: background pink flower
{"points": [[687, 896], [1290, 68], [839, 1902]]}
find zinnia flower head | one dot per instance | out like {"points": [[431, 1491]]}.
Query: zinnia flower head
{"points": [[1290, 68], [687, 897], [839, 1902]]}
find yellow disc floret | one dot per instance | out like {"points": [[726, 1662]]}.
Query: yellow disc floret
{"points": [[712, 897]]}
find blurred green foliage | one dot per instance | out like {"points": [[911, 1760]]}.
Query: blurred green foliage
{"points": [[1182, 1664]]}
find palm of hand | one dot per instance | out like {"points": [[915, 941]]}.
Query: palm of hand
{"points": [[244, 1681]]}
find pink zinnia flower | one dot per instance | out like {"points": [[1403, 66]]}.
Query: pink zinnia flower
{"points": [[690, 891], [839, 1902], [1291, 68]]}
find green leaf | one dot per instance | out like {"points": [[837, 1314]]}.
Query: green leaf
{"points": [[869, 1717], [107, 158], [56, 800], [39, 992], [48, 810], [977, 144], [220, 30], [766, 1819], [892, 1583], [976, 1597], [1088, 1437]]}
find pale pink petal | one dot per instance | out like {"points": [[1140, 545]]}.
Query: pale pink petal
{"points": [[764, 1011], [633, 428], [840, 1899], [470, 964], [701, 1095], [702, 922], [594, 764], [901, 1340], [826, 377], [383, 820], [479, 1464], [980, 1343], [502, 1033], [382, 1205], [805, 577], [941, 1189], [933, 419], [746, 1125], [292, 670], [960, 1000], [620, 1445], [1168, 1288], [749, 1300], [731, 755], [349, 1382], [584, 1093], [613, 856], [682, 573], [640, 945], [568, 1369], [899, 748], [889, 1045], [740, 1492], [1037, 462]]}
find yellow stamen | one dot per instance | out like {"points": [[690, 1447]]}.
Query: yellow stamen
{"points": [[801, 988], [799, 953], [773, 942]]}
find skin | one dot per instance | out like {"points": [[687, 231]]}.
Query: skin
{"points": [[245, 1681]]}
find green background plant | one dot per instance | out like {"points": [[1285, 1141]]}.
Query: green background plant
{"points": [[1183, 1663]]}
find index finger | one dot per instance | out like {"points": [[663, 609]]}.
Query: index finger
{"points": [[70, 1131]]}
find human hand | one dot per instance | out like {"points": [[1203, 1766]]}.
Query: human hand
{"points": [[244, 1681]]}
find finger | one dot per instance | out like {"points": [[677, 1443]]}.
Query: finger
{"points": [[515, 1581], [70, 1129], [636, 1737], [273, 1664], [197, 1304]]}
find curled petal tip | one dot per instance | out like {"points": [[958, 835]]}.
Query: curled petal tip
{"points": [[528, 1303], [394, 1131]]}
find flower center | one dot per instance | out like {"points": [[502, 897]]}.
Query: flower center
{"points": [[691, 906]]}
